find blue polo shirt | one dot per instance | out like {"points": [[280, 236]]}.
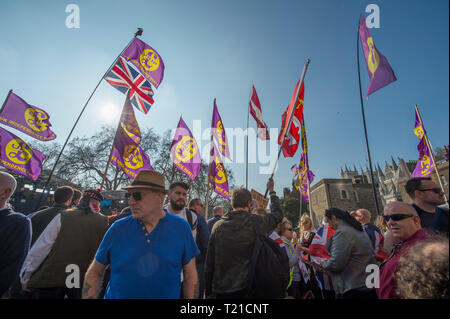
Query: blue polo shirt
{"points": [[146, 265]]}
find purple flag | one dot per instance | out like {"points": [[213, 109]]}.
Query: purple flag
{"points": [[218, 131], [147, 60], [18, 157], [26, 118], [184, 150], [425, 164], [128, 156], [305, 176], [129, 124], [380, 72], [218, 175]]}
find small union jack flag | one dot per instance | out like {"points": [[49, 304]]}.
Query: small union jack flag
{"points": [[129, 81]]}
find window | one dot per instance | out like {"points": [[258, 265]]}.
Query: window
{"points": [[356, 196], [344, 194], [444, 181]]}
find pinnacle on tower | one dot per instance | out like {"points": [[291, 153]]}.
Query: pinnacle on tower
{"points": [[394, 165]]}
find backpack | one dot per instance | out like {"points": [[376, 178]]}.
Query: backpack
{"points": [[268, 275]]}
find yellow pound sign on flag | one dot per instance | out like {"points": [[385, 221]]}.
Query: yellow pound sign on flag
{"points": [[35, 118], [18, 152], [185, 149], [221, 177], [132, 157], [373, 60], [149, 60]]}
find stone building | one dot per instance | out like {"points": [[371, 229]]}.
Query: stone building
{"points": [[354, 189], [347, 193]]}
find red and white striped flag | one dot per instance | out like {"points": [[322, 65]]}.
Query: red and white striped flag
{"points": [[255, 110]]}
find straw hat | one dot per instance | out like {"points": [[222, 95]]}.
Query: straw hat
{"points": [[148, 180]]}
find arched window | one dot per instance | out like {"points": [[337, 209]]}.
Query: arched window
{"points": [[344, 194]]}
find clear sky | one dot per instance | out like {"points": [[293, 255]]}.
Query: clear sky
{"points": [[217, 49]]}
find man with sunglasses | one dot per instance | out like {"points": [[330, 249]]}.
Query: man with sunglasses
{"points": [[146, 251], [426, 196], [404, 226]]}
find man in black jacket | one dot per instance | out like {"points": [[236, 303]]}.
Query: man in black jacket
{"points": [[63, 199], [231, 244]]}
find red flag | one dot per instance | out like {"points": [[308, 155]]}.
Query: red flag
{"points": [[292, 139], [256, 112]]}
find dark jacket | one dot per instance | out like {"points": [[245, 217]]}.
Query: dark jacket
{"points": [[202, 238], [211, 222], [77, 242], [41, 219], [15, 235], [231, 246]]}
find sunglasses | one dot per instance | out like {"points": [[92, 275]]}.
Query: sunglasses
{"points": [[136, 196], [396, 217], [436, 190]]}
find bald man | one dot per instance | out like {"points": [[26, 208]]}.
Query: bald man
{"points": [[405, 228], [376, 237], [15, 235]]}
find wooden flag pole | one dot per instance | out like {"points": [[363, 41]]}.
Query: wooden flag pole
{"points": [[290, 120], [138, 33], [127, 100], [365, 128], [427, 141]]}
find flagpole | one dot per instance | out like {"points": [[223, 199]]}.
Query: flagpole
{"points": [[246, 150], [290, 120], [6, 100], [364, 124], [138, 33], [427, 141], [127, 100], [209, 176]]}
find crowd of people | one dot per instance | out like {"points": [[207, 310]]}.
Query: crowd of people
{"points": [[153, 250]]}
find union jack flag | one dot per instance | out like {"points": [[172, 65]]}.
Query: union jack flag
{"points": [[318, 252], [129, 81]]}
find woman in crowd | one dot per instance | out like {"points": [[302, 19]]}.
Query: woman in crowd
{"points": [[350, 252], [307, 233], [285, 231], [381, 224]]}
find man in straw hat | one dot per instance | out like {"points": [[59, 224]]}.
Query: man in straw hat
{"points": [[145, 251]]}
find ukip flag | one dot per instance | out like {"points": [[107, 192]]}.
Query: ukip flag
{"points": [[128, 156], [305, 175], [290, 143], [127, 80], [218, 132], [147, 60], [129, 124], [255, 110], [184, 150], [218, 175], [380, 72], [425, 164], [26, 118], [18, 157]]}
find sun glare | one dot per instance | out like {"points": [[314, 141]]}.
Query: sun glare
{"points": [[109, 112]]}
